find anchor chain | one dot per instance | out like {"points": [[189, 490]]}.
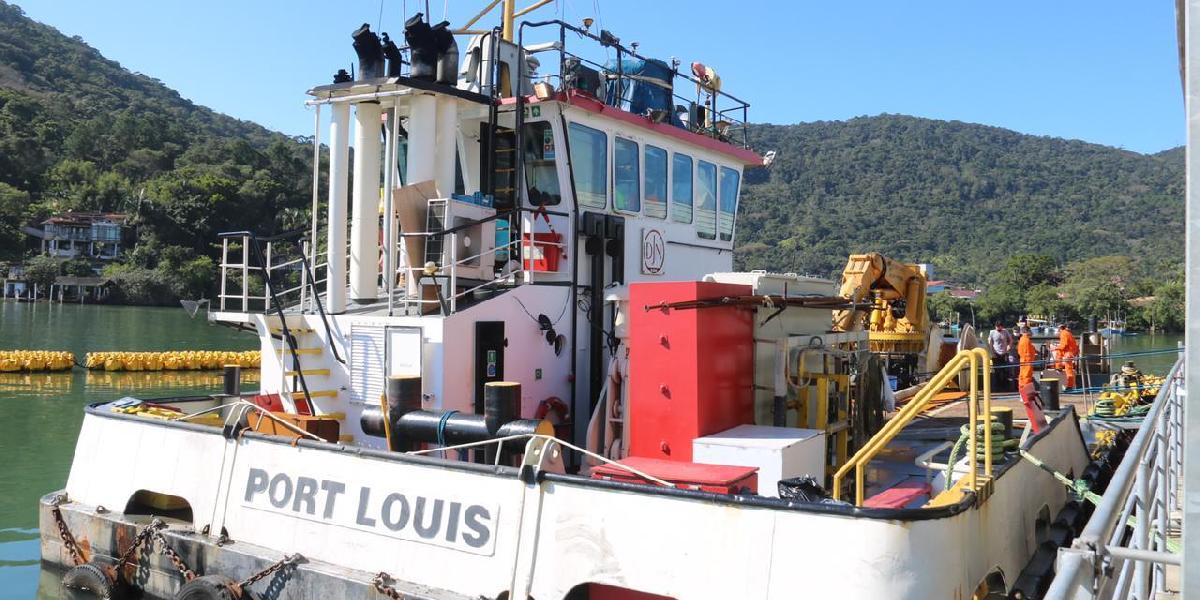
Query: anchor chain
{"points": [[143, 537], [382, 586], [285, 561], [68, 540], [180, 566]]}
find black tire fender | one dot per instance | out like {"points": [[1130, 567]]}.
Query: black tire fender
{"points": [[90, 577], [208, 587]]}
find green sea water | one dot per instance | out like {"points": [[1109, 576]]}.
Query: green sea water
{"points": [[40, 413]]}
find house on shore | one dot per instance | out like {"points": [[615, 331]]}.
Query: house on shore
{"points": [[88, 235]]}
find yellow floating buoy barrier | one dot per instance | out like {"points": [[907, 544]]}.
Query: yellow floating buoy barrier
{"points": [[172, 360], [12, 361]]}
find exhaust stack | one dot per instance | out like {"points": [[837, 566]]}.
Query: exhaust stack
{"points": [[370, 52], [395, 60]]}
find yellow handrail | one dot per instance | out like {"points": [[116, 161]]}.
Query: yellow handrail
{"points": [[975, 359]]}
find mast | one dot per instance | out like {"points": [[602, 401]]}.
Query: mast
{"points": [[507, 20]]}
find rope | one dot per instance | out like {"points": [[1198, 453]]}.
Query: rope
{"points": [[1050, 361], [441, 429], [999, 445], [548, 438], [248, 406]]}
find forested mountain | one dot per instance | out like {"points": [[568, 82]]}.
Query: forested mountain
{"points": [[960, 195], [79, 132]]}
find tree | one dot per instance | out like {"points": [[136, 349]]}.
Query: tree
{"points": [[41, 271], [13, 203], [1024, 271], [946, 307], [1095, 287], [1043, 299], [77, 267], [1002, 302]]}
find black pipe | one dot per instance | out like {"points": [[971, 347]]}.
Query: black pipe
{"points": [[422, 48], [501, 404], [395, 60], [233, 380], [446, 70], [1052, 388], [593, 224], [370, 52], [402, 396], [452, 428]]}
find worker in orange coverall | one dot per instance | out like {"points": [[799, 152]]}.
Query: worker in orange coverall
{"points": [[1027, 353], [1066, 353]]}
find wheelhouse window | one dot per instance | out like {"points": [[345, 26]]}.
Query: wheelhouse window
{"points": [[655, 182], [626, 176], [727, 203], [541, 176], [681, 188], [589, 161], [706, 208]]}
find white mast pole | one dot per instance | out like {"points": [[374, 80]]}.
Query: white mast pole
{"points": [[364, 222], [339, 170]]}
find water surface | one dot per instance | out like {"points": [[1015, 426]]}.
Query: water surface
{"points": [[40, 413]]}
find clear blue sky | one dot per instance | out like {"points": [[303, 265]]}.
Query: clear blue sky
{"points": [[1102, 71]]}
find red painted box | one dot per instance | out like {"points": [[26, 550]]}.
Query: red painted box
{"points": [[691, 371], [718, 479]]}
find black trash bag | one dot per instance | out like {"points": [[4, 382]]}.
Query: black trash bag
{"points": [[806, 489]]}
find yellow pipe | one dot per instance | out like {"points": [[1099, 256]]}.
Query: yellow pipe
{"points": [[918, 403], [479, 16], [892, 427], [972, 417], [507, 19], [985, 371], [979, 365], [531, 8], [906, 414]]}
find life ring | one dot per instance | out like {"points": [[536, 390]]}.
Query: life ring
{"points": [[208, 587], [92, 578]]}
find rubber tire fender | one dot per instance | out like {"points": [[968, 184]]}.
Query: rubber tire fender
{"points": [[90, 577], [208, 587]]}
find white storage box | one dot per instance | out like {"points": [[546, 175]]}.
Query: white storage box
{"points": [[778, 452]]}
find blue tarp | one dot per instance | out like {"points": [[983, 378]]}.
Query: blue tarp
{"points": [[647, 85]]}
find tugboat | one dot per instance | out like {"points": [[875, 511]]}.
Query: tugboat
{"points": [[511, 359]]}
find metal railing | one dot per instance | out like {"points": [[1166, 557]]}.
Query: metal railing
{"points": [[243, 275], [977, 361], [1125, 548], [728, 116], [445, 278]]}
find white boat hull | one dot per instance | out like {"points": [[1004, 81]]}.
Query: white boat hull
{"points": [[481, 531]]}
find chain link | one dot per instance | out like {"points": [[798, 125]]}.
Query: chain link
{"points": [[143, 537], [285, 561], [180, 566], [68, 540], [382, 586]]}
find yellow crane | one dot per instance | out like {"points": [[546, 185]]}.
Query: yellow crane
{"points": [[897, 322]]}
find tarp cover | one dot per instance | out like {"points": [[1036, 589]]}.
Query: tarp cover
{"points": [[647, 85]]}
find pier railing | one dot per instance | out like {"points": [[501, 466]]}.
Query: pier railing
{"points": [[1127, 547]]}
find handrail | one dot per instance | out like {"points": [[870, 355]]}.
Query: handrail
{"points": [[285, 332], [312, 276], [619, 75], [463, 226], [1100, 558], [975, 359]]}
